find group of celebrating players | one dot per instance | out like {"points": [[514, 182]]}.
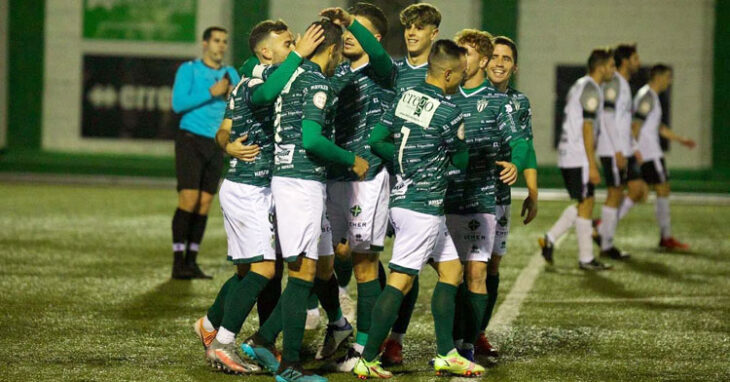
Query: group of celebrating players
{"points": [[328, 154]]}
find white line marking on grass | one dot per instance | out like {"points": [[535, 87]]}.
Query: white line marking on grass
{"points": [[510, 307]]}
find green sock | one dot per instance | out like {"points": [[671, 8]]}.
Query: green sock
{"points": [[492, 286], [406, 309], [343, 270], [385, 312], [293, 316], [443, 304], [329, 297], [215, 312], [361, 338], [476, 306], [367, 294], [460, 313], [241, 299], [270, 329], [312, 301]]}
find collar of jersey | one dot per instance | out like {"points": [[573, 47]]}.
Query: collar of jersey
{"points": [[474, 91], [360, 68], [310, 66], [432, 88], [414, 67]]}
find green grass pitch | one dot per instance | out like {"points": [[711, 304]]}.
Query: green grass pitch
{"points": [[86, 295]]}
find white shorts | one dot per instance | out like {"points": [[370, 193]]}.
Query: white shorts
{"points": [[300, 216], [419, 238], [504, 219], [359, 212], [248, 217], [473, 235], [325, 247]]}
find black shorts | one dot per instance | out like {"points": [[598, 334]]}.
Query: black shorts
{"points": [[577, 184], [198, 162], [654, 171], [616, 177]]}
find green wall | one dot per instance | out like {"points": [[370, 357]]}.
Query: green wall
{"points": [[246, 14], [721, 94]]}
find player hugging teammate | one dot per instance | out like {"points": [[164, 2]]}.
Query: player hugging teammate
{"points": [[431, 142]]}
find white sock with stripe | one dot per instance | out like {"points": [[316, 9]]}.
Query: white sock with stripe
{"points": [[663, 217], [609, 220], [563, 224], [584, 232], [625, 207]]}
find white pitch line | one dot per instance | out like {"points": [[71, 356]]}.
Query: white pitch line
{"points": [[510, 307]]}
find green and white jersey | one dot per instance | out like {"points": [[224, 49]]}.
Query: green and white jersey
{"points": [[307, 95], [489, 125], [426, 128], [362, 99], [407, 76], [522, 117], [256, 122]]}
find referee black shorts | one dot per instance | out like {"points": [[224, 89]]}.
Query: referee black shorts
{"points": [[577, 184], [198, 162], [654, 171], [616, 177]]}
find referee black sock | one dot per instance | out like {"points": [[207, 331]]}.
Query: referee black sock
{"points": [[180, 229], [195, 236]]}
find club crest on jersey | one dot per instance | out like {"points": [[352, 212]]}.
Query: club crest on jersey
{"points": [[482, 104]]}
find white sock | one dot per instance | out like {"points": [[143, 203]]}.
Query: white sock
{"points": [[663, 217], [313, 312], [609, 220], [358, 348], [343, 290], [225, 336], [625, 207], [563, 224], [340, 322], [584, 232], [207, 325], [397, 337]]}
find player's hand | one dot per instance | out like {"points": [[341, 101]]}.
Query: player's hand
{"points": [[338, 16], [220, 88], [593, 175], [508, 175], [686, 142], [238, 150], [529, 206], [305, 45], [360, 167], [620, 160], [639, 158]]}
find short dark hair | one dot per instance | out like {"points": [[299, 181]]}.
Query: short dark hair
{"points": [[444, 51], [420, 14], [374, 14], [623, 52], [208, 32], [504, 40], [332, 35], [598, 57], [658, 69], [261, 30]]}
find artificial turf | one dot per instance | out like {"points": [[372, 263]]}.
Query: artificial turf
{"points": [[87, 295]]}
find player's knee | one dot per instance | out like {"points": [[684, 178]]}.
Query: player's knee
{"points": [[365, 267], [264, 268], [662, 190], [451, 272], [585, 208], [188, 200], [204, 203], [614, 196], [476, 275], [401, 281]]}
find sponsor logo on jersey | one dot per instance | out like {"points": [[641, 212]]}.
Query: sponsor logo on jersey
{"points": [[355, 210], [503, 221], [417, 108], [473, 224]]}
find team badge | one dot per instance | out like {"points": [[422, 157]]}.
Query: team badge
{"points": [[610, 94], [319, 99], [482, 104], [592, 104], [645, 107]]}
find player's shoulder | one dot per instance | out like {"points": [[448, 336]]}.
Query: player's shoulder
{"points": [[343, 69]]}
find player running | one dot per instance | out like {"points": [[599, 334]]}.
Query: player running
{"points": [[199, 93], [428, 133], [302, 131], [358, 209], [577, 159], [648, 120], [500, 68], [245, 194], [616, 148], [470, 200]]}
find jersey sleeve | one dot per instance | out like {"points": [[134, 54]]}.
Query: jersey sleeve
{"points": [[610, 94], [388, 118], [644, 107], [452, 131], [315, 96], [589, 101]]}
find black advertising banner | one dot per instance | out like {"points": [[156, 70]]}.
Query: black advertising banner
{"points": [[128, 97]]}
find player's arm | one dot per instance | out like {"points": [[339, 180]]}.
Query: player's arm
{"points": [[380, 142], [267, 92], [529, 205], [509, 138], [379, 57], [183, 97], [453, 135], [589, 102], [667, 133], [236, 149], [610, 91], [314, 142]]}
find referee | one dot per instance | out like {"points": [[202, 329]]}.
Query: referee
{"points": [[199, 93]]}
